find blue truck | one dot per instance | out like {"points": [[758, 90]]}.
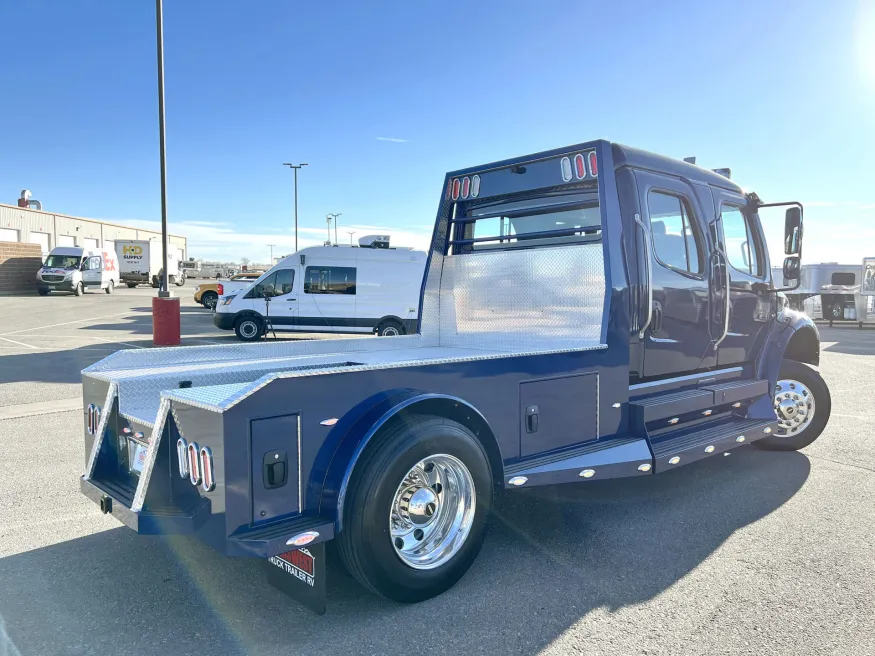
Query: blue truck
{"points": [[586, 313]]}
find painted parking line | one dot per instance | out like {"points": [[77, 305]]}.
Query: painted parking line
{"points": [[20, 343], [67, 323], [41, 408]]}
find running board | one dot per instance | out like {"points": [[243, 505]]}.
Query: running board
{"points": [[598, 460], [695, 444], [674, 406]]}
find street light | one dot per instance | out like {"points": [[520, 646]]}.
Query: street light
{"points": [[295, 167], [350, 233], [271, 254], [328, 223], [335, 226], [159, 19]]}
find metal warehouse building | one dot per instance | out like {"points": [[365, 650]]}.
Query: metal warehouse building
{"points": [[49, 229]]}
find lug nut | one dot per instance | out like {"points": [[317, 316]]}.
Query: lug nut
{"points": [[418, 534]]}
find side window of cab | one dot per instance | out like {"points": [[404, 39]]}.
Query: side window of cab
{"points": [[741, 241], [677, 239]]}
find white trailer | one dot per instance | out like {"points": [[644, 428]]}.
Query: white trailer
{"points": [[140, 262]]}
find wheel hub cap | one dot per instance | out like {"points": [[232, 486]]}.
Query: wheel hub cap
{"points": [[794, 406], [432, 511]]}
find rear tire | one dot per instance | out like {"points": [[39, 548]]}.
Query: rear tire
{"points": [[391, 491], [131, 285], [180, 281], [389, 328], [109, 287], [249, 328], [79, 289], [802, 383], [209, 300]]}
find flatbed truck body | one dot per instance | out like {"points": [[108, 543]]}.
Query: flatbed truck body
{"points": [[579, 320]]}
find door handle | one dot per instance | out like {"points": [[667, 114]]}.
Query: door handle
{"points": [[275, 469], [292, 299], [656, 324], [647, 250], [532, 419]]}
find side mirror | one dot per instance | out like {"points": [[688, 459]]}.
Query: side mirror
{"points": [[791, 268], [792, 231]]}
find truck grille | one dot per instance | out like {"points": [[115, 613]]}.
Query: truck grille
{"points": [[52, 278]]}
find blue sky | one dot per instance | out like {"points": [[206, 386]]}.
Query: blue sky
{"points": [[782, 92]]}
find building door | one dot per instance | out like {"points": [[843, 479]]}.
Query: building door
{"points": [[8, 234], [678, 339], [41, 238], [66, 240]]}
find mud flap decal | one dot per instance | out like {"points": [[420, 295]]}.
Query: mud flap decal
{"points": [[301, 575]]}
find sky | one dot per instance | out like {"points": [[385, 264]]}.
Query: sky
{"points": [[382, 98]]}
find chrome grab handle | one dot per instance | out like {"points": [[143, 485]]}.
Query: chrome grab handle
{"points": [[725, 264], [648, 248]]}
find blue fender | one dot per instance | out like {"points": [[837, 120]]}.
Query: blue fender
{"points": [[364, 427], [795, 336]]}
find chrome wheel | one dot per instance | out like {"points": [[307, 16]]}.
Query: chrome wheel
{"points": [[432, 511], [794, 405]]}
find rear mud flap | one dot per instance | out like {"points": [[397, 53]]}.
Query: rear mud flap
{"points": [[301, 575]]}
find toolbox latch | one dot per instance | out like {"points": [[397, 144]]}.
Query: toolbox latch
{"points": [[275, 468]]}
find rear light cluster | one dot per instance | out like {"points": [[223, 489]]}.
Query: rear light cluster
{"points": [[220, 289], [93, 418], [578, 166], [196, 464], [467, 187]]}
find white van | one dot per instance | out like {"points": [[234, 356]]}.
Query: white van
{"points": [[369, 288], [72, 269]]}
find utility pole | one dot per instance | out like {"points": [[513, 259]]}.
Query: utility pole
{"points": [[350, 233], [335, 225], [271, 255], [295, 168]]}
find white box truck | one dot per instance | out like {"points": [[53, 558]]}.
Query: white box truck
{"points": [[140, 262]]}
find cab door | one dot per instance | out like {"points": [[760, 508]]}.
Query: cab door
{"points": [[678, 337], [275, 299], [92, 275], [750, 301]]}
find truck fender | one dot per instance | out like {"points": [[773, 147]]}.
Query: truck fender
{"points": [[794, 336], [367, 427]]}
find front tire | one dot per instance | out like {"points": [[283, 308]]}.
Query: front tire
{"points": [[248, 328], [42, 292], [803, 406], [109, 287], [79, 289], [389, 328], [417, 509], [131, 285]]}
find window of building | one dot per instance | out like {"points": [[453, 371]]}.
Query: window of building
{"points": [[329, 280], [742, 248], [677, 241]]}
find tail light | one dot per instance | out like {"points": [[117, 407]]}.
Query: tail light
{"points": [[194, 469], [475, 186], [91, 419], [466, 186], [579, 167], [456, 186], [221, 289], [593, 164], [209, 482], [182, 457]]}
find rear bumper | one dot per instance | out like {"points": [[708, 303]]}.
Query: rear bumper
{"points": [[223, 320]]}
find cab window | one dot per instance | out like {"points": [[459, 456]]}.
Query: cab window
{"points": [[279, 283], [94, 263], [676, 236], [329, 280], [742, 247]]}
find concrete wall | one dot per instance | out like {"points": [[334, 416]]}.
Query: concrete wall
{"points": [[18, 266], [32, 226]]}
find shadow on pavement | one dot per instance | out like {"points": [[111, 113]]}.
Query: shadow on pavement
{"points": [[553, 555]]}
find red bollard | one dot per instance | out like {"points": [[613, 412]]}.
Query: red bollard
{"points": [[165, 321]]}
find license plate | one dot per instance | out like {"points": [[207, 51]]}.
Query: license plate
{"points": [[138, 458]]}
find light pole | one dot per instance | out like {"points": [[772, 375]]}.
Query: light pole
{"points": [[350, 233], [159, 19], [271, 255], [328, 223], [335, 225], [295, 168]]}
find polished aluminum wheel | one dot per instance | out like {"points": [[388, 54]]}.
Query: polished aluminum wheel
{"points": [[432, 511], [794, 405]]}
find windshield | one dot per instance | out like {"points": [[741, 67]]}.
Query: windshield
{"points": [[63, 261]]}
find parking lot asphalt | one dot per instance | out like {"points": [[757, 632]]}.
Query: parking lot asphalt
{"points": [[757, 553]]}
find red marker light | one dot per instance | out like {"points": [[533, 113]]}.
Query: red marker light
{"points": [[209, 482], [220, 289], [449, 190], [466, 186], [593, 164], [194, 470], [579, 166], [456, 189]]}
